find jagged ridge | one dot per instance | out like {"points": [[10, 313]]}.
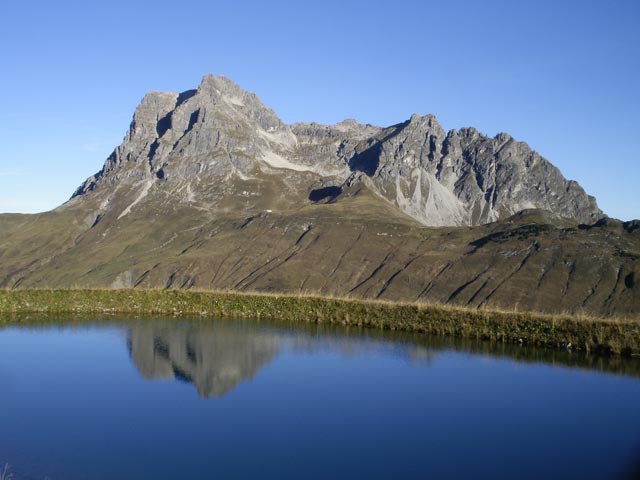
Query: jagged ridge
{"points": [[186, 143]]}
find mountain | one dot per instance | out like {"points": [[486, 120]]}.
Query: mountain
{"points": [[219, 145], [209, 189]]}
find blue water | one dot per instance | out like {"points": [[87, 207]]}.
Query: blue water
{"points": [[239, 399]]}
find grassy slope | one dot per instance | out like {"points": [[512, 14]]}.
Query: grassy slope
{"points": [[358, 247], [614, 336]]}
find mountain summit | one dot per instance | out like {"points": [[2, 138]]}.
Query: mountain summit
{"points": [[207, 146], [210, 190]]}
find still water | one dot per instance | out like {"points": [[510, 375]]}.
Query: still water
{"points": [[173, 399]]}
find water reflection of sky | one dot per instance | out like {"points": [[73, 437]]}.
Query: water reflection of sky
{"points": [[270, 400]]}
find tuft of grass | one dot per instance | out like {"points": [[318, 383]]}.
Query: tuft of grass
{"points": [[611, 336]]}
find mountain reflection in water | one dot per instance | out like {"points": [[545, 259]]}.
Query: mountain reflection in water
{"points": [[214, 358], [217, 357]]}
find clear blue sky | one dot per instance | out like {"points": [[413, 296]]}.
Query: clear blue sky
{"points": [[564, 76]]}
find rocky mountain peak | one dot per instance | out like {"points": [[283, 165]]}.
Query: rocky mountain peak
{"points": [[191, 145], [224, 92], [219, 83], [428, 119]]}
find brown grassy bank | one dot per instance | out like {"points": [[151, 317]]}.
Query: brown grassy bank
{"points": [[554, 331]]}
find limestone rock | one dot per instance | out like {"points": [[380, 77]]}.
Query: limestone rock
{"points": [[203, 146]]}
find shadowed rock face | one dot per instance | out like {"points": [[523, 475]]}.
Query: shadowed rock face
{"points": [[193, 146], [210, 190], [215, 360]]}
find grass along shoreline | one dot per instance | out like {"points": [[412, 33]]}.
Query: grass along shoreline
{"points": [[609, 336]]}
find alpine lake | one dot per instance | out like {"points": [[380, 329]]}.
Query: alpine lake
{"points": [[165, 398]]}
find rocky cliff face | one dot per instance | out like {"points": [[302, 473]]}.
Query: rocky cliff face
{"points": [[466, 178], [218, 146]]}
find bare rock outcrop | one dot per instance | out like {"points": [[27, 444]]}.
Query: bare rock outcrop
{"points": [[198, 145]]}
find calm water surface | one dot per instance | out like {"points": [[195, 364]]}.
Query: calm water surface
{"points": [[235, 399]]}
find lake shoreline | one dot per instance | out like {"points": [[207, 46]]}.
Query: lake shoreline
{"points": [[599, 335]]}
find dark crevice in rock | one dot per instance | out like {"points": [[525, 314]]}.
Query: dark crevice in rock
{"points": [[164, 124], [368, 159], [488, 195], [153, 149], [433, 147], [193, 119], [184, 96]]}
